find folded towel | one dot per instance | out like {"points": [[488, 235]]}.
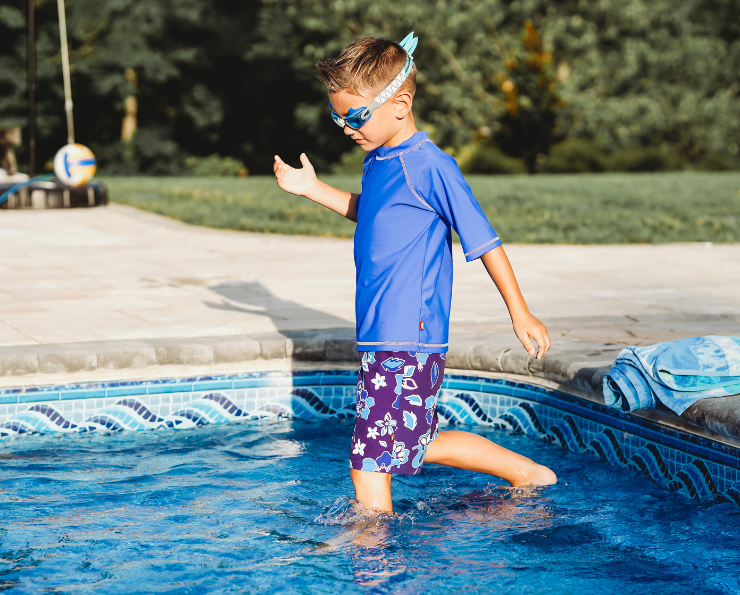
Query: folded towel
{"points": [[676, 373]]}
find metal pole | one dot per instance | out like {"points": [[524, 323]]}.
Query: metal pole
{"points": [[32, 88], [65, 72]]}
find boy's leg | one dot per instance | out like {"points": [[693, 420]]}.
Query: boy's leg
{"points": [[476, 453], [375, 452], [373, 489]]}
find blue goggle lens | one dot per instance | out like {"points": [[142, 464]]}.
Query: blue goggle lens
{"points": [[356, 117]]}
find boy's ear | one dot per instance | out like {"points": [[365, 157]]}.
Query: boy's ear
{"points": [[402, 103]]}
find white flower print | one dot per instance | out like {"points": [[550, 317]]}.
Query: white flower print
{"points": [[359, 449], [378, 381], [400, 452], [387, 425], [372, 433]]}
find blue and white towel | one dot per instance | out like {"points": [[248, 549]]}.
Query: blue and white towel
{"points": [[676, 373]]}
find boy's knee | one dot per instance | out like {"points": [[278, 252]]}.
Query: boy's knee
{"points": [[538, 475], [370, 479]]}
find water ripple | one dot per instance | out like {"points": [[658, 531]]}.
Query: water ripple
{"points": [[268, 508]]}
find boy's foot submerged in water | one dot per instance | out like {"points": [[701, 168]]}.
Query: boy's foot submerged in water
{"points": [[463, 450]]}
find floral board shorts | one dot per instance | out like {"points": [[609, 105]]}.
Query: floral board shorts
{"points": [[396, 410]]}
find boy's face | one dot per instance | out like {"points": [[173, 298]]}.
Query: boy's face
{"points": [[385, 122]]}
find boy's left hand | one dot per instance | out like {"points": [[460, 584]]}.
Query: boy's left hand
{"points": [[526, 327]]}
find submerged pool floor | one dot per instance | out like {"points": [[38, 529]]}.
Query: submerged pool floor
{"points": [[262, 507]]}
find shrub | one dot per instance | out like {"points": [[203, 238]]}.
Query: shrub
{"points": [[350, 162], [215, 166], [644, 159], [574, 155], [480, 159], [713, 161]]}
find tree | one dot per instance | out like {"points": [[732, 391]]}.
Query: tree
{"points": [[532, 101], [637, 74], [236, 77]]}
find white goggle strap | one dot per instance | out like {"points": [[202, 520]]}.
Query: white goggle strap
{"points": [[392, 87]]}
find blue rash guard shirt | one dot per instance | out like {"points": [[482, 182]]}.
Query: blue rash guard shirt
{"points": [[412, 196]]}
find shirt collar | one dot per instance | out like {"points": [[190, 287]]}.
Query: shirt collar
{"points": [[409, 143]]}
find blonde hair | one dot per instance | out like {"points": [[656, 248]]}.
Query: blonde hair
{"points": [[366, 65]]}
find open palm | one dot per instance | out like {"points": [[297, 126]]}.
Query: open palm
{"points": [[295, 181]]}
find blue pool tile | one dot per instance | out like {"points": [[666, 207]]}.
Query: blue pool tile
{"points": [[731, 451], [699, 448], [82, 393], [627, 426], [207, 378], [606, 419], [591, 415], [339, 380], [591, 406], [125, 391], [314, 379], [497, 388], [671, 440], [175, 387], [675, 433], [243, 383], [651, 434], [278, 381], [5, 399], [521, 392], [520, 396], [723, 458], [699, 451], [553, 401], [352, 373], [464, 385], [211, 385], [35, 397], [540, 390]]}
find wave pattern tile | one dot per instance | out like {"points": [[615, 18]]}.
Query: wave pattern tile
{"points": [[688, 464], [176, 410], [675, 470]]}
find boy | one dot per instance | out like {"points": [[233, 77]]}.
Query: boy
{"points": [[412, 194]]}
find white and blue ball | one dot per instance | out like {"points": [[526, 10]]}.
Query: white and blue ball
{"points": [[74, 165]]}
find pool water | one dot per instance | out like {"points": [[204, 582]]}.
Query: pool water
{"points": [[263, 507]]}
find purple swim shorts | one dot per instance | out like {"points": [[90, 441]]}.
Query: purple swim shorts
{"points": [[396, 410]]}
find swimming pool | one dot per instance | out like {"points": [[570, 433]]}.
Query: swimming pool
{"points": [[261, 505]]}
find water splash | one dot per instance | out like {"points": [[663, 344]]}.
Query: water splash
{"points": [[348, 511]]}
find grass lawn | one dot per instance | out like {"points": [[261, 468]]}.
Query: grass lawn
{"points": [[576, 209]]}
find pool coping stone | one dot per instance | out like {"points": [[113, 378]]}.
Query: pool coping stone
{"points": [[576, 366]]}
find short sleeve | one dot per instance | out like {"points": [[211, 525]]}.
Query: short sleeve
{"points": [[450, 195]]}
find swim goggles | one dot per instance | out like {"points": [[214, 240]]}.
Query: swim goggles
{"points": [[357, 117]]}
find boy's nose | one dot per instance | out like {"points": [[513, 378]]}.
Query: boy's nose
{"points": [[348, 131]]}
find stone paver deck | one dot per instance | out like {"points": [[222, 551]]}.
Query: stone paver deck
{"points": [[116, 273], [114, 292]]}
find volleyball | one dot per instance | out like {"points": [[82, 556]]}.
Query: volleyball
{"points": [[74, 165]]}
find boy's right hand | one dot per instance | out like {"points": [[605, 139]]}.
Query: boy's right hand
{"points": [[296, 181]]}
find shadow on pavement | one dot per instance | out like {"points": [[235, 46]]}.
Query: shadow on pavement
{"points": [[316, 335], [257, 299]]}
